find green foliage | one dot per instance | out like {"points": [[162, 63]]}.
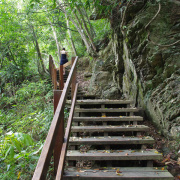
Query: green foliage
{"points": [[13, 144], [23, 127], [17, 155]]}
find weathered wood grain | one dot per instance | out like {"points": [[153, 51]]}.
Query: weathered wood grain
{"points": [[110, 140], [100, 101], [122, 118], [114, 155], [127, 173], [107, 110], [109, 128]]}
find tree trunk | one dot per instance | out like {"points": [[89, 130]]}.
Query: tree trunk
{"points": [[56, 39], [10, 53], [92, 31], [81, 31], [86, 28], [70, 36], [41, 62]]}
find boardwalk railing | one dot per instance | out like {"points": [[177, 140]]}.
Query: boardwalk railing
{"points": [[55, 138]]}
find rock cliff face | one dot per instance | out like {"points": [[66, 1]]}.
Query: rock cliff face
{"points": [[142, 61]]}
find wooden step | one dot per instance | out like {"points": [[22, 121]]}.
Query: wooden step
{"points": [[96, 119], [79, 93], [114, 155], [101, 101], [109, 128], [126, 173], [85, 96], [107, 110], [110, 140]]}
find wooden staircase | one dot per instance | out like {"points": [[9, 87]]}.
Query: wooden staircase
{"points": [[80, 94], [108, 143], [102, 139]]}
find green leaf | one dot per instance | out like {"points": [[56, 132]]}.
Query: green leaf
{"points": [[8, 166], [54, 4], [11, 153]]}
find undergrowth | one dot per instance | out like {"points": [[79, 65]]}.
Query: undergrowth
{"points": [[25, 117]]}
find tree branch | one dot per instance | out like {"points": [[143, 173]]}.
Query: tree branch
{"points": [[122, 22], [153, 17], [168, 45]]}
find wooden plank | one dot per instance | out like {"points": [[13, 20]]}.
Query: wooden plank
{"points": [[122, 118], [52, 70], [57, 95], [85, 96], [61, 78], [114, 155], [50, 65], [55, 79], [59, 142], [110, 140], [73, 80], [113, 169], [44, 160], [134, 173], [100, 101], [66, 138], [60, 135], [59, 82], [107, 110], [109, 128]]}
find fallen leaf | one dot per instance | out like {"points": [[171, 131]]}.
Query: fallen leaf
{"points": [[162, 168], [120, 151], [118, 171], [120, 174], [81, 171]]}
